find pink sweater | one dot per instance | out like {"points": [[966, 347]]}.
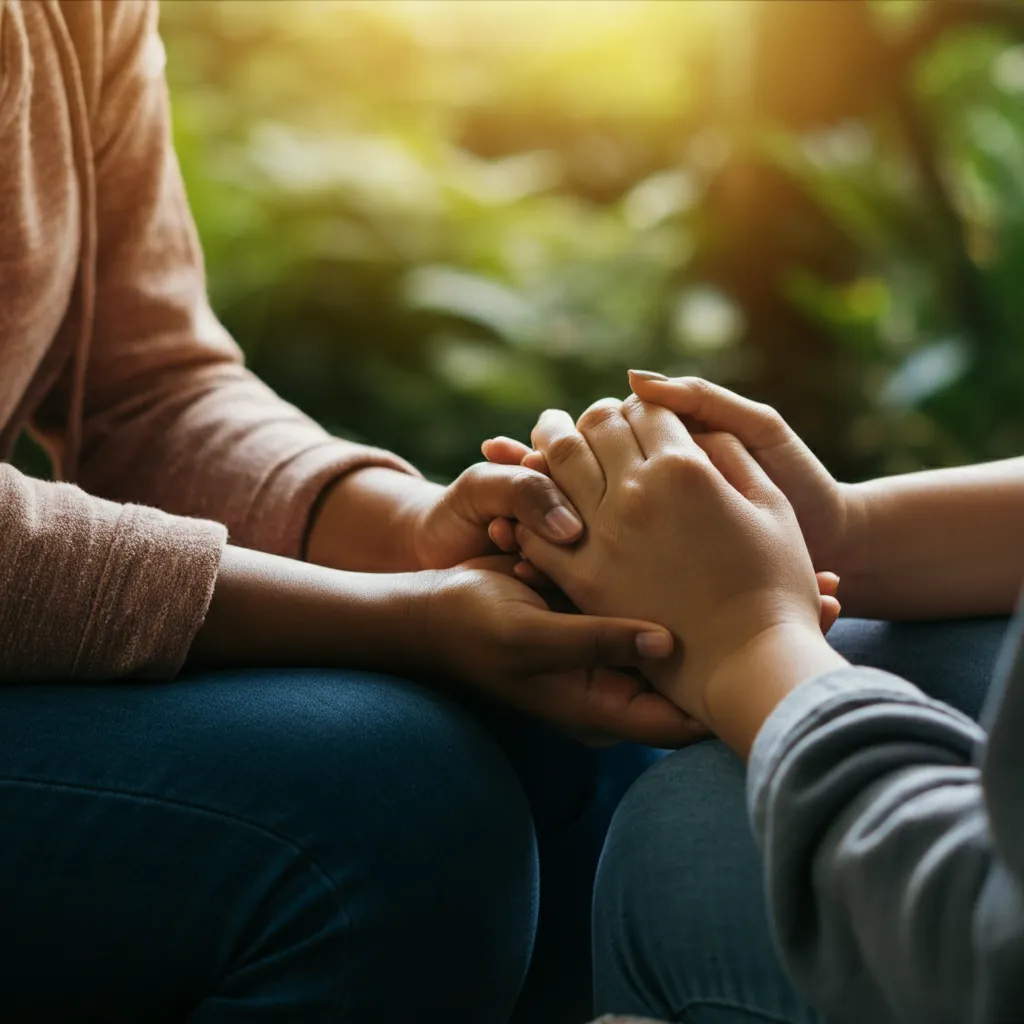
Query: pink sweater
{"points": [[110, 353]]}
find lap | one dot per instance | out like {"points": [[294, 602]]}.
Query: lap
{"points": [[161, 840], [159, 837], [952, 661], [680, 926]]}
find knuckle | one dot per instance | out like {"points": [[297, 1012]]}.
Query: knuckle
{"points": [[683, 468], [564, 448], [721, 443], [534, 491], [634, 501], [703, 391], [632, 405], [598, 414], [773, 426], [473, 476]]}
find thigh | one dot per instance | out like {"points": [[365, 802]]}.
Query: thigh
{"points": [[681, 929], [573, 791], [259, 846], [952, 661]]}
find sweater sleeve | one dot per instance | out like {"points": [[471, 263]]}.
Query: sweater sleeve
{"points": [[892, 895], [171, 417], [91, 590]]}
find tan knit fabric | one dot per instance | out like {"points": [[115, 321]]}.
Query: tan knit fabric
{"points": [[110, 353]]}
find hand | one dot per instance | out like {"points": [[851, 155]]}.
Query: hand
{"points": [[827, 511], [697, 537], [491, 632], [506, 451], [452, 526], [378, 520]]}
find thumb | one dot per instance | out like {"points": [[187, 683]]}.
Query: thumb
{"points": [[714, 407], [487, 491], [553, 641]]}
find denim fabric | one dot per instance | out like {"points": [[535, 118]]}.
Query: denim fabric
{"points": [[680, 927], [300, 846]]}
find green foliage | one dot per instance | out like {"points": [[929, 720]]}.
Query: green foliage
{"points": [[425, 221]]}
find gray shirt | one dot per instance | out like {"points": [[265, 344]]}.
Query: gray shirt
{"points": [[892, 829]]}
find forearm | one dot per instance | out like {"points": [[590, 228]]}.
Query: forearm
{"points": [[268, 610], [364, 521], [940, 544]]}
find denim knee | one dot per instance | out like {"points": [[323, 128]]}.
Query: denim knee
{"points": [[418, 819], [281, 841], [680, 927]]}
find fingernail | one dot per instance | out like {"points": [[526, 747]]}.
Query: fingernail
{"points": [[654, 645], [647, 375], [561, 524]]}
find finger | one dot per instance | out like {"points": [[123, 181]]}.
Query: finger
{"points": [[654, 721], [649, 719], [504, 450], [550, 641], [607, 703], [828, 583], [532, 576], [830, 610], [505, 564], [570, 461], [758, 426], [535, 460], [485, 492], [550, 559], [730, 457], [610, 438], [503, 535], [658, 430]]}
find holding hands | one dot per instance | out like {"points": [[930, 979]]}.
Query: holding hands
{"points": [[689, 531], [829, 513], [490, 631]]}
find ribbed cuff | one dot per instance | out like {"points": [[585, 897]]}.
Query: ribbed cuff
{"points": [[152, 596]]}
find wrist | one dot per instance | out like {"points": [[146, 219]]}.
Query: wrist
{"points": [[848, 556], [367, 521], [852, 559], [747, 685]]}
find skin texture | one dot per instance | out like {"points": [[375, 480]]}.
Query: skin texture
{"points": [[474, 626], [502, 531], [743, 602], [379, 520], [906, 547]]}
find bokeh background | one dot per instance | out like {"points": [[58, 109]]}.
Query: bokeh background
{"points": [[425, 221]]}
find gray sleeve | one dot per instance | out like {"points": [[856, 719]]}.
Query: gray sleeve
{"points": [[892, 862]]}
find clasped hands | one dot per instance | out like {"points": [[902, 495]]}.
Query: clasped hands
{"points": [[675, 546], [685, 529]]}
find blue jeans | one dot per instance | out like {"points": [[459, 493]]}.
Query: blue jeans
{"points": [[680, 926], [301, 846]]}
